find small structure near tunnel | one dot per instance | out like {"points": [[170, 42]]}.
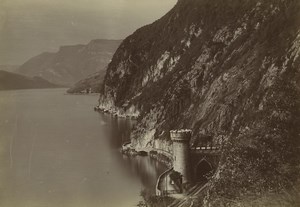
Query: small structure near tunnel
{"points": [[190, 164], [181, 153]]}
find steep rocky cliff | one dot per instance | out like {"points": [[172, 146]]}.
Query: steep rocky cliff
{"points": [[227, 69], [71, 63]]}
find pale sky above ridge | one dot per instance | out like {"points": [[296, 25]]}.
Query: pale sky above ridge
{"points": [[29, 27]]}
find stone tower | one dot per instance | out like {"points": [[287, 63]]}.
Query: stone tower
{"points": [[181, 153]]}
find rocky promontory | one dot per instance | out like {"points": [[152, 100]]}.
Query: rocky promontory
{"points": [[228, 70]]}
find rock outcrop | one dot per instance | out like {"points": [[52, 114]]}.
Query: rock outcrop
{"points": [[227, 69]]}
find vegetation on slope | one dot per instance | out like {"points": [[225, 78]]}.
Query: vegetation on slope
{"points": [[226, 69]]}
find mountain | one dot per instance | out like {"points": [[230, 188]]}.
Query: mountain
{"points": [[225, 69], [93, 83], [9, 68], [71, 63], [11, 81]]}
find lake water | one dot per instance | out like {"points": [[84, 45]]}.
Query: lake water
{"points": [[55, 151]]}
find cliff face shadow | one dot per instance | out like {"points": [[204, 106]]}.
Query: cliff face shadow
{"points": [[202, 170]]}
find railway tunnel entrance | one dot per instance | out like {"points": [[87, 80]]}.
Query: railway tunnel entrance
{"points": [[202, 171]]}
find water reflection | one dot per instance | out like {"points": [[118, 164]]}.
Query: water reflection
{"points": [[120, 129], [146, 169], [55, 151]]}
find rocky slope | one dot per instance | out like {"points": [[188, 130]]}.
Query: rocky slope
{"points": [[93, 83], [71, 63], [11, 81], [227, 69]]}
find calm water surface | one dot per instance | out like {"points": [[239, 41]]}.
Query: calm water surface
{"points": [[55, 151]]}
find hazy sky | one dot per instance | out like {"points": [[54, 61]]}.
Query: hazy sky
{"points": [[29, 27]]}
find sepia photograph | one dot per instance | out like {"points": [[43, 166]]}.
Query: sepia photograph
{"points": [[150, 103]]}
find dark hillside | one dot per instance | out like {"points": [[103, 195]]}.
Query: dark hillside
{"points": [[226, 69], [11, 81]]}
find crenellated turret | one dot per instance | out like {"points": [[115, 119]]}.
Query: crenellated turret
{"points": [[181, 153]]}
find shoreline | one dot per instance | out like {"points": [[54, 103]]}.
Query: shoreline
{"points": [[156, 154], [114, 113]]}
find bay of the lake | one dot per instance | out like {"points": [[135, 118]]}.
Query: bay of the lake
{"points": [[55, 151]]}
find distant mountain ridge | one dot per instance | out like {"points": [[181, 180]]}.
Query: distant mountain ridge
{"points": [[9, 68], [71, 63], [11, 81]]}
